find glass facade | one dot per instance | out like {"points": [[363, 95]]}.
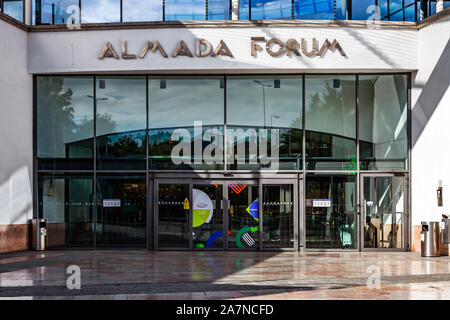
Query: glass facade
{"points": [[120, 125], [101, 139], [331, 217], [107, 11], [330, 144], [65, 124], [383, 125]]}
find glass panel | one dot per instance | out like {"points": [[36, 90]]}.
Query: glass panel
{"points": [[384, 14], [360, 9], [173, 216], [244, 10], [410, 13], [97, 11], [138, 10], [178, 106], [258, 103], [331, 212], [341, 10], [65, 110], [278, 216], [121, 112], [243, 216], [121, 211], [13, 8], [207, 217], [383, 122], [315, 9], [384, 212], [185, 10], [219, 10], [55, 11], [446, 4], [271, 9], [67, 203], [330, 116]]}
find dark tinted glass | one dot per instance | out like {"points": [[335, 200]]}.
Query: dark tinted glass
{"points": [[67, 204], [186, 117], [331, 212], [121, 122], [121, 211], [330, 116], [65, 126], [268, 108]]}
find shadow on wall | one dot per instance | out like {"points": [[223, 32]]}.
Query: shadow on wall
{"points": [[432, 93], [16, 198]]}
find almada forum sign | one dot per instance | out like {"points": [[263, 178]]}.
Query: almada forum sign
{"points": [[204, 48]]}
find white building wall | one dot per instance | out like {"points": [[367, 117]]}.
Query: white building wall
{"points": [[431, 124], [366, 49], [16, 127]]}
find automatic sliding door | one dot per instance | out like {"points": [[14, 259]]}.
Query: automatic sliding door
{"points": [[207, 216], [279, 219], [173, 215], [243, 215]]}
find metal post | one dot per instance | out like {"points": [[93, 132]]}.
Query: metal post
{"points": [[28, 11]]}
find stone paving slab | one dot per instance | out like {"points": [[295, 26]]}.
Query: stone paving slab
{"points": [[142, 274]]}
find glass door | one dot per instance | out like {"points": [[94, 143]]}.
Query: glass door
{"points": [[279, 218], [173, 215], [384, 215], [243, 215], [189, 214], [208, 229]]}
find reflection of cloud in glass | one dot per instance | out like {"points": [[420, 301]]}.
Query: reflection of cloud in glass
{"points": [[93, 11], [138, 10], [245, 103], [185, 10], [185, 101], [124, 99]]}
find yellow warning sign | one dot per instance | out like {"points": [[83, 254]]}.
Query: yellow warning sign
{"points": [[186, 204]]}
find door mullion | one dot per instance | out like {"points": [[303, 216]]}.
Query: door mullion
{"points": [[191, 205]]}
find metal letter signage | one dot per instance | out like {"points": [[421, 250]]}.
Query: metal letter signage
{"points": [[203, 48]]}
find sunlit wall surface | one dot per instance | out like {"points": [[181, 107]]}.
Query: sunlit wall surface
{"points": [[109, 11]]}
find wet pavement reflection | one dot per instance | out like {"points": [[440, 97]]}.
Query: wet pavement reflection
{"points": [[142, 274]]}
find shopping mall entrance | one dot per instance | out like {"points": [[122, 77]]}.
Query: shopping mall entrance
{"points": [[241, 214]]}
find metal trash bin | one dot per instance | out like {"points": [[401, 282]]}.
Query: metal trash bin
{"points": [[445, 230], [39, 234], [431, 237]]}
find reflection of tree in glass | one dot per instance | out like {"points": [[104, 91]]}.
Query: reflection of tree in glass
{"points": [[104, 121], [57, 124], [56, 119], [125, 146]]}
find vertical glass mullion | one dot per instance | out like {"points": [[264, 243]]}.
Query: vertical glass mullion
{"points": [[94, 207], [303, 122]]}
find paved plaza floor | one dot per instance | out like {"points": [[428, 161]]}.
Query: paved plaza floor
{"points": [[142, 274]]}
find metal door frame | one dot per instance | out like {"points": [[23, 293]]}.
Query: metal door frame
{"points": [[406, 213], [297, 217], [157, 182], [297, 197]]}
